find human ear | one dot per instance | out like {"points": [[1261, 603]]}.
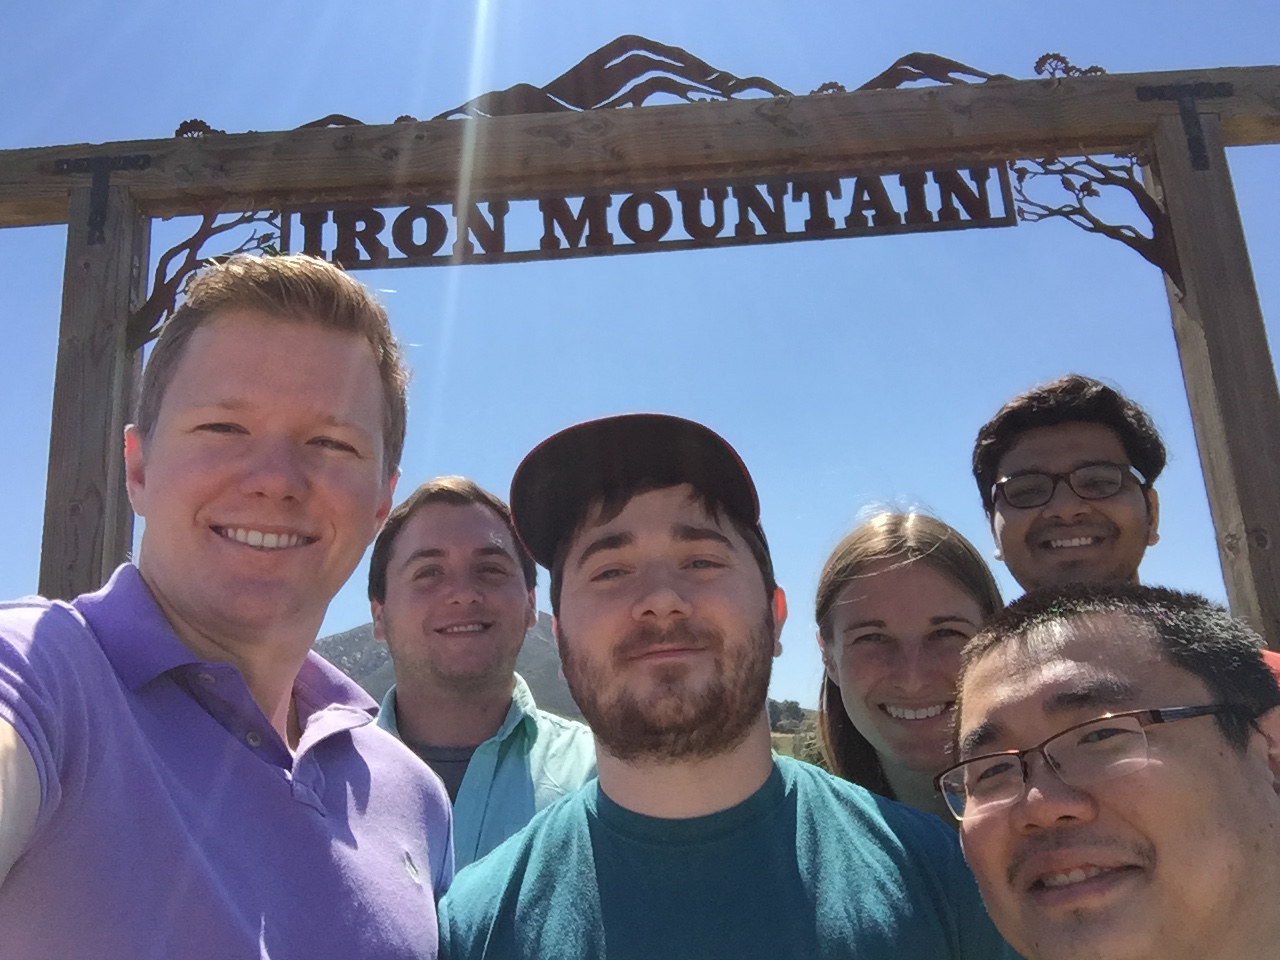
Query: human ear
{"points": [[1269, 726], [828, 660], [1153, 516], [779, 607], [135, 468]]}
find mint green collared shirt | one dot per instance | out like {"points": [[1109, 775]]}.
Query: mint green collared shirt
{"points": [[533, 760]]}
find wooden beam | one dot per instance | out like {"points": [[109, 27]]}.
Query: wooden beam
{"points": [[87, 520], [1231, 385], [575, 153]]}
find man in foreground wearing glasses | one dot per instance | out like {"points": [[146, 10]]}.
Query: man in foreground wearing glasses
{"points": [[1119, 768], [1065, 472]]}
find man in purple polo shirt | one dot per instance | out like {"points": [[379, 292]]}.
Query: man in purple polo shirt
{"points": [[179, 775]]}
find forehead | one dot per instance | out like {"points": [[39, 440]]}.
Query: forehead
{"points": [[1090, 664], [654, 513], [240, 351], [916, 586], [1062, 447], [453, 527]]}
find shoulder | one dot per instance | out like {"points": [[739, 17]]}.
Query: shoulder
{"points": [[874, 819], [543, 848]]}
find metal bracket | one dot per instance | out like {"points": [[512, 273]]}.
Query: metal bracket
{"points": [[101, 168], [1186, 95]]}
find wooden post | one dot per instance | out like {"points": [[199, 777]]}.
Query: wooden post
{"points": [[1231, 384], [88, 524]]}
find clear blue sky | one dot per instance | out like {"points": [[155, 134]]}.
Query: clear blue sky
{"points": [[847, 373]]}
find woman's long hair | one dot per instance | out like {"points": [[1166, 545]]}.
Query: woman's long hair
{"points": [[903, 538]]}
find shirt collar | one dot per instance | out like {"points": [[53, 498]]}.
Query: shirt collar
{"points": [[522, 712], [137, 639]]}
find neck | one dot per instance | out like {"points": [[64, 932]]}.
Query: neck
{"points": [[681, 789], [915, 789], [268, 658], [444, 716]]}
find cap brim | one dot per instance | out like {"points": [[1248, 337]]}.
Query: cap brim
{"points": [[596, 460]]}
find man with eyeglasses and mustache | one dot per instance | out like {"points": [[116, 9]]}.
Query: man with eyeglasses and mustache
{"points": [[1067, 476], [695, 841], [1118, 784], [1066, 473]]}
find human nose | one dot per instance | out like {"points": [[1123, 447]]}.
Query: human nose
{"points": [[276, 470], [911, 668], [1064, 501], [463, 590], [1047, 798], [660, 598]]}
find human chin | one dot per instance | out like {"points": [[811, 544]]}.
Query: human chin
{"points": [[668, 716]]}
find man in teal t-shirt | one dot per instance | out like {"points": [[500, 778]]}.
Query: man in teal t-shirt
{"points": [[696, 842], [451, 591]]}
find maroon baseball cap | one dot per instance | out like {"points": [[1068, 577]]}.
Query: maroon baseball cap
{"points": [[594, 460]]}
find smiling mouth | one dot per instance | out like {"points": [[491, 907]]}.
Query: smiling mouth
{"points": [[461, 628], [1067, 543], [1065, 879], [922, 713], [262, 541]]}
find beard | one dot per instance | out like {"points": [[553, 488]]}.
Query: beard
{"points": [[672, 718]]}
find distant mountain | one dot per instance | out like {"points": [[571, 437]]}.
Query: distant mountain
{"points": [[365, 660]]}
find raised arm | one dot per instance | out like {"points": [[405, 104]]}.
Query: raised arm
{"points": [[19, 797]]}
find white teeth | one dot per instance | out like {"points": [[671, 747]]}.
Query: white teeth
{"points": [[264, 541], [924, 713], [464, 628], [1074, 542], [1071, 876]]}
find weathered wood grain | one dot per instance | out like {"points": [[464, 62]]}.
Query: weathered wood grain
{"points": [[87, 520], [1226, 364], [649, 147]]}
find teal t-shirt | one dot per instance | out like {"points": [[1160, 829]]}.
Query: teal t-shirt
{"points": [[809, 866]]}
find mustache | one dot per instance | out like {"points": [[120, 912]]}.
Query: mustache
{"points": [[1140, 852], [644, 637]]}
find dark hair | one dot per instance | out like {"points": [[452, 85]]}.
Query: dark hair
{"points": [[606, 508], [1070, 399], [904, 538], [293, 288], [1193, 634], [457, 491]]}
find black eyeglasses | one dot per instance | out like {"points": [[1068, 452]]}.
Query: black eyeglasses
{"points": [[1093, 481], [1111, 746]]}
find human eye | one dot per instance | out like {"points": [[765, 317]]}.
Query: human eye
{"points": [[706, 563], [1027, 489], [427, 572], [220, 427], [992, 775], [494, 570], [333, 443], [1097, 480], [870, 637], [606, 574], [1105, 734], [951, 633]]}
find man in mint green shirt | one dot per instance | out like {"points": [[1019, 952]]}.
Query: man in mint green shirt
{"points": [[451, 590]]}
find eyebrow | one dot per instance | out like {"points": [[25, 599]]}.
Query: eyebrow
{"points": [[687, 533], [608, 542], [1102, 692], [933, 621]]}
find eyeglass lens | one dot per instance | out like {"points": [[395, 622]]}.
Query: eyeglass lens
{"points": [[1101, 750], [1095, 481]]}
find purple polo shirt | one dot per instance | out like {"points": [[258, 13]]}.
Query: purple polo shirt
{"points": [[174, 822]]}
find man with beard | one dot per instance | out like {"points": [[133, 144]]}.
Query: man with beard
{"points": [[695, 841]]}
